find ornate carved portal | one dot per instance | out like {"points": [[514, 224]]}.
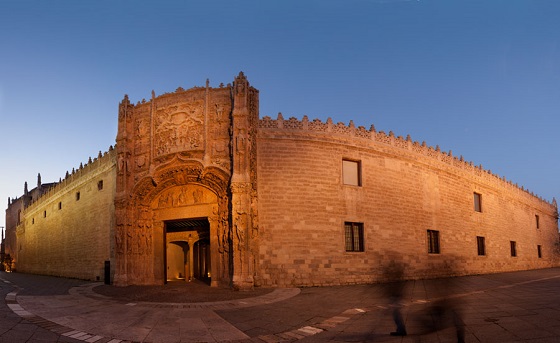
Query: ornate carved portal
{"points": [[186, 187]]}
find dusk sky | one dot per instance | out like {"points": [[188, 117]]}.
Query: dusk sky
{"points": [[478, 77]]}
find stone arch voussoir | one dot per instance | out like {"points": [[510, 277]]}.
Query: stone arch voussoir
{"points": [[179, 172]]}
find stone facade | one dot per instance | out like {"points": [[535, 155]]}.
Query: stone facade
{"points": [[406, 189], [200, 187], [183, 156], [65, 228]]}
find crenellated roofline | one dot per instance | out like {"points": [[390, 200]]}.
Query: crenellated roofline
{"points": [[73, 177]]}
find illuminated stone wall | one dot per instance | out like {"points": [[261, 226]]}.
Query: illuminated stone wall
{"points": [[406, 189], [69, 230]]}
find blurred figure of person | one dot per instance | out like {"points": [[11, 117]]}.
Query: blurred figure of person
{"points": [[445, 309], [446, 313], [393, 274]]}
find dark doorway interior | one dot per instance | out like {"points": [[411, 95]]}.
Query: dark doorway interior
{"points": [[188, 250]]}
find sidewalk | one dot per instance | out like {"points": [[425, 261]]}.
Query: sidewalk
{"points": [[508, 307]]}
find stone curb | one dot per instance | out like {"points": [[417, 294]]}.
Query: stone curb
{"points": [[279, 294]]}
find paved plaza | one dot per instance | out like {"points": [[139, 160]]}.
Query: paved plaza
{"points": [[508, 307]]}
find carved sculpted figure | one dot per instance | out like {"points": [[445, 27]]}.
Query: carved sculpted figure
{"points": [[122, 164], [197, 196]]}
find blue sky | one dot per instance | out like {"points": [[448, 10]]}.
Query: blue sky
{"points": [[478, 77]]}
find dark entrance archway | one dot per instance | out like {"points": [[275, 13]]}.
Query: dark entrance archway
{"points": [[187, 250]]}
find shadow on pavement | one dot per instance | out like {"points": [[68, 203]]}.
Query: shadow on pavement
{"points": [[177, 292]]}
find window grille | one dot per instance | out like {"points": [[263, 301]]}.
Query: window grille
{"points": [[354, 236], [433, 242]]}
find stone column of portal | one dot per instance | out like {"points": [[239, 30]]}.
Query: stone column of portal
{"points": [[191, 259], [241, 185], [214, 253], [186, 266]]}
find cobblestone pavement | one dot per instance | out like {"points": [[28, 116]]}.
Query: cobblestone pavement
{"points": [[507, 307]]}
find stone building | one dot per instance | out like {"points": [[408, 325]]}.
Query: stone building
{"points": [[199, 186], [65, 228]]}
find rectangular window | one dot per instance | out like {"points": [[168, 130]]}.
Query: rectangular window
{"points": [[481, 246], [537, 220], [77, 196], [100, 185], [60, 205], [351, 173], [433, 242], [539, 251], [354, 236], [44, 214], [477, 202], [513, 248]]}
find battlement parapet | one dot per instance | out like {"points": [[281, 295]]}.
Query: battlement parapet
{"points": [[351, 132], [72, 178]]}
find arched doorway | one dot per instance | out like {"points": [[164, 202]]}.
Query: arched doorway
{"points": [[188, 250]]}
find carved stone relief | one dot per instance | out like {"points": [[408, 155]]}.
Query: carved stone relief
{"points": [[141, 162], [142, 129], [119, 239], [181, 196], [221, 114], [179, 128], [122, 163], [218, 130]]}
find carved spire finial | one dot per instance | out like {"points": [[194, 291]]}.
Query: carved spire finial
{"points": [[39, 180], [25, 190]]}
